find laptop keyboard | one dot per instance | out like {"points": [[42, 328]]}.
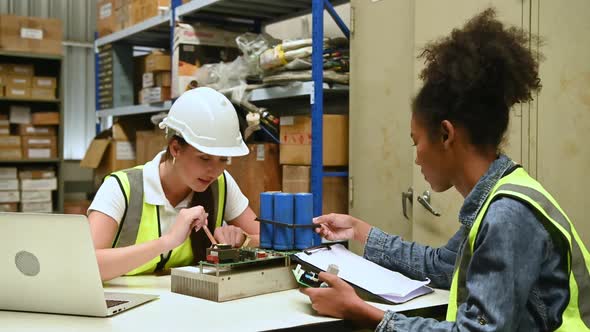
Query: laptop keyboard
{"points": [[112, 303]]}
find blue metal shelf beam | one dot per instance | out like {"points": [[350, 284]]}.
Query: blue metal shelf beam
{"points": [[335, 174], [317, 107]]}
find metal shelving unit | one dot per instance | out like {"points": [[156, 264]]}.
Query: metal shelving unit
{"points": [[253, 14], [41, 61], [31, 100], [31, 161], [153, 32], [135, 109], [31, 55], [294, 90]]}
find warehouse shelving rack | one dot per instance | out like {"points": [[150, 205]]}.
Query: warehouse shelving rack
{"points": [[254, 14], [44, 62]]}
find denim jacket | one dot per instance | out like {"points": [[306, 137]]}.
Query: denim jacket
{"points": [[516, 280]]}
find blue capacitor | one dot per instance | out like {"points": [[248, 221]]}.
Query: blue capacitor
{"points": [[266, 212], [283, 213], [303, 216]]}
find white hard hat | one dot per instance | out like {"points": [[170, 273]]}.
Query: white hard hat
{"points": [[207, 120]]}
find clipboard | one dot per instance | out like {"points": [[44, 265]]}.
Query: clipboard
{"points": [[373, 282]]}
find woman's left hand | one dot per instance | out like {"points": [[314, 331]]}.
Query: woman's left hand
{"points": [[230, 235]]}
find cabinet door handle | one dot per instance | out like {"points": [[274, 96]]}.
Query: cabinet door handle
{"points": [[407, 195], [424, 199]]}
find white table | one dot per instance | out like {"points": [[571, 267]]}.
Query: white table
{"points": [[174, 312]]}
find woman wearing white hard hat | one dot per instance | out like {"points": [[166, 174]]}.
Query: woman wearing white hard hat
{"points": [[149, 218]]}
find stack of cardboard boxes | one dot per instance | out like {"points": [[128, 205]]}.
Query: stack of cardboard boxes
{"points": [[295, 136], [36, 187], [9, 194], [156, 78], [18, 81], [27, 135], [31, 191], [115, 15]]}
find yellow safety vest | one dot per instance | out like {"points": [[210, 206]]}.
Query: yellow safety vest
{"points": [[141, 221], [519, 185]]}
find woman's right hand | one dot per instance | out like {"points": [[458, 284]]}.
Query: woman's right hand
{"points": [[342, 227], [186, 221]]}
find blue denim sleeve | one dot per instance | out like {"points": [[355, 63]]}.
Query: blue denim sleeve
{"points": [[414, 260], [506, 258]]}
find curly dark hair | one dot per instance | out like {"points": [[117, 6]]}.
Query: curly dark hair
{"points": [[474, 76]]}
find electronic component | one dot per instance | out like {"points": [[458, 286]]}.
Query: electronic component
{"points": [[249, 272], [306, 278]]}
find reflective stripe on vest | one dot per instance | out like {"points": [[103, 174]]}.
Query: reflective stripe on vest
{"points": [[519, 185], [141, 221]]}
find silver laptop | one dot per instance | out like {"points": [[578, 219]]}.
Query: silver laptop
{"points": [[48, 264]]}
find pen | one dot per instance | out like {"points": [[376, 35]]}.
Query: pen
{"points": [[265, 221]]}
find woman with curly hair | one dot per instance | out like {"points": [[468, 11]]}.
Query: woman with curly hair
{"points": [[517, 262]]}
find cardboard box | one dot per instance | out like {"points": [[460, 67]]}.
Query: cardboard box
{"points": [[10, 141], [43, 94], [30, 130], [31, 34], [44, 82], [20, 69], [296, 179], [195, 46], [41, 207], [45, 118], [12, 196], [18, 80], [146, 9], [105, 17], [125, 130], [163, 78], [106, 155], [35, 196], [8, 184], [20, 114], [157, 61], [38, 184], [123, 14], [39, 152], [17, 92], [10, 154], [8, 173], [257, 172], [295, 139], [4, 127], [148, 144], [39, 147], [36, 174], [9, 207], [154, 95]]}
